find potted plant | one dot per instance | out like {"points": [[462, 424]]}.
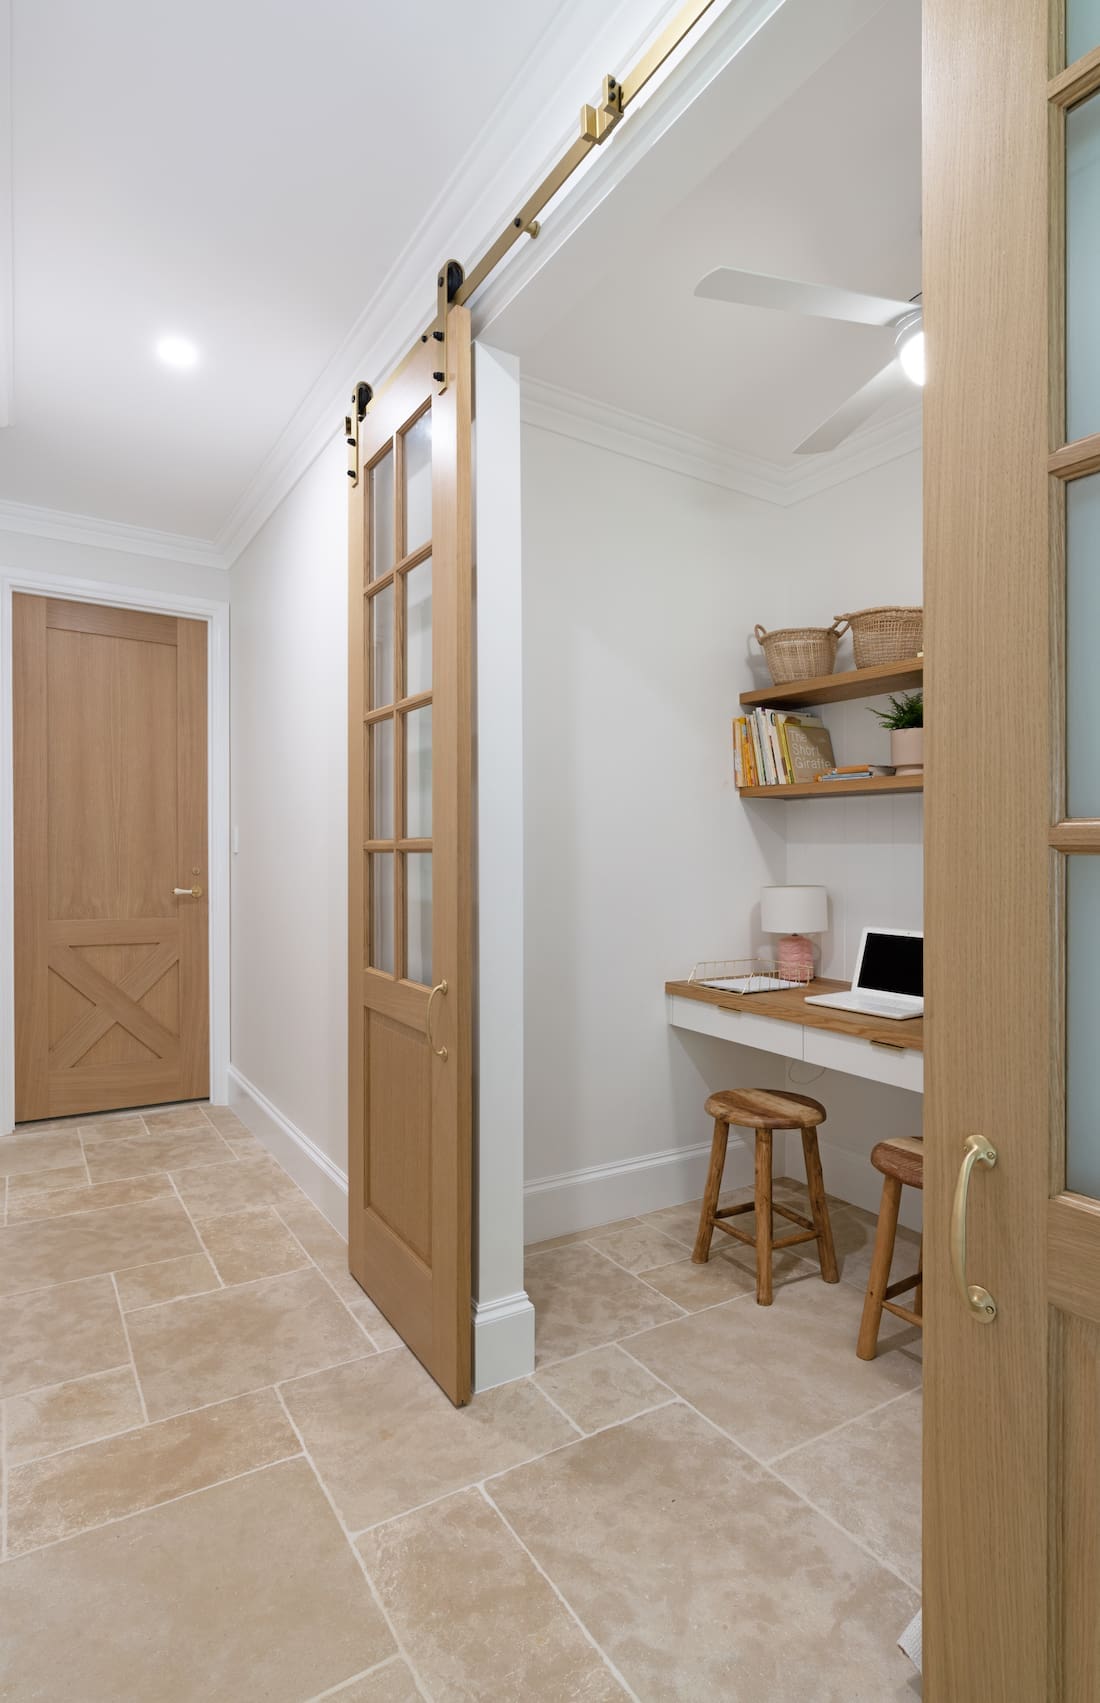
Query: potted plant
{"points": [[905, 720]]}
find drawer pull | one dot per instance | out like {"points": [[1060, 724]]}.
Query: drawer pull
{"points": [[890, 1046]]}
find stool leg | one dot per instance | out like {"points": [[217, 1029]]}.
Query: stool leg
{"points": [[918, 1293], [819, 1208], [701, 1251], [867, 1346], [764, 1217]]}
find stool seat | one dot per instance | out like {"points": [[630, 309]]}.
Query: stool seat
{"points": [[903, 1158], [760, 1108]]}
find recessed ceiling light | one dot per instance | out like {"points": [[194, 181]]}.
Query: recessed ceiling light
{"points": [[177, 352]]}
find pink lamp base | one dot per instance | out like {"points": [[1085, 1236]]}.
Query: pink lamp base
{"points": [[794, 958]]}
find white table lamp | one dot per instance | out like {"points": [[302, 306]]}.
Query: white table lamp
{"points": [[794, 912]]}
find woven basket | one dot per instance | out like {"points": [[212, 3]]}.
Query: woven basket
{"points": [[885, 635], [800, 653]]}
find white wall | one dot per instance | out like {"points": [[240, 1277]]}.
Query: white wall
{"points": [[289, 809]]}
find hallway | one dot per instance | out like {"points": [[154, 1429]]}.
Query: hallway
{"points": [[224, 1477]]}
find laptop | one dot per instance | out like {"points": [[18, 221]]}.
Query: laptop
{"points": [[889, 978]]}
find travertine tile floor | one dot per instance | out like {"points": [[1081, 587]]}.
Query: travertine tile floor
{"points": [[225, 1478]]}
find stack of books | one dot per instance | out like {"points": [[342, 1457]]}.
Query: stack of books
{"points": [[780, 748], [856, 772]]}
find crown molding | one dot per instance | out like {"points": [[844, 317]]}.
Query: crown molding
{"points": [[552, 409], [109, 535]]}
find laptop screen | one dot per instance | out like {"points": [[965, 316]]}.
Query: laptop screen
{"points": [[892, 963]]}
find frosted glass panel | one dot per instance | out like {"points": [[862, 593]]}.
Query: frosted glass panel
{"points": [[381, 648], [380, 734], [381, 516], [380, 881], [418, 889], [418, 483], [1082, 28], [418, 629], [1082, 1025], [1083, 269], [418, 774], [1082, 626]]}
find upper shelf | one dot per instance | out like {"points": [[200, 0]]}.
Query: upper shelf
{"points": [[838, 688]]}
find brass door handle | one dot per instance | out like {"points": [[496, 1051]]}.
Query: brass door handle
{"points": [[440, 987], [187, 892], [976, 1151]]}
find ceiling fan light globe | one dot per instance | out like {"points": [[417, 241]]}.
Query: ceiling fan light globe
{"points": [[910, 351]]}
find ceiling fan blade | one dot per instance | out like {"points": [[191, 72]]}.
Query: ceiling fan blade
{"points": [[756, 289], [889, 382]]}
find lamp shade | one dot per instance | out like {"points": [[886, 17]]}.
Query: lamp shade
{"points": [[794, 910]]}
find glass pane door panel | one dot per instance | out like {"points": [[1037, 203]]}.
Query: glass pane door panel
{"points": [[380, 901], [381, 516], [1083, 269], [418, 629], [1082, 1021], [380, 746], [418, 483], [1082, 627], [418, 916], [381, 648], [418, 774], [1082, 28]]}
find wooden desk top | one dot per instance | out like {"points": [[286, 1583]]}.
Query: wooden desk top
{"points": [[789, 1006]]}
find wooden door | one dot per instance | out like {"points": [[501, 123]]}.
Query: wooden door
{"points": [[410, 914], [111, 983], [1012, 549]]}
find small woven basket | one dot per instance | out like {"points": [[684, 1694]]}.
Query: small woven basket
{"points": [[800, 653], [885, 635]]}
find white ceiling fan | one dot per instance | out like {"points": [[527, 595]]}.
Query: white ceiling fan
{"points": [[787, 295]]}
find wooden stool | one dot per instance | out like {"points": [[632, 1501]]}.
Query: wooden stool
{"points": [[901, 1161], [760, 1110]]}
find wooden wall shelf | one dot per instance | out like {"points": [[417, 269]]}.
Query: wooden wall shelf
{"points": [[839, 688], [837, 789]]}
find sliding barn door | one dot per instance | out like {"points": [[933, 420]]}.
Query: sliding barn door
{"points": [[410, 916], [1012, 550], [111, 914]]}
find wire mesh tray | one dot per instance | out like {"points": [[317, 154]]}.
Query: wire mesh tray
{"points": [[745, 975]]}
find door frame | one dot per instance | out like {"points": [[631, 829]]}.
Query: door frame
{"points": [[216, 616]]}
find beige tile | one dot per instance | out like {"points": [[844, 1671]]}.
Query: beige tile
{"points": [[213, 1189], [161, 1150], [113, 1128], [219, 1345], [775, 1377], [476, 1617], [102, 1481], [56, 1334], [854, 1236], [250, 1244], [170, 1119], [165, 1280], [603, 1387], [248, 1591], [39, 1152], [701, 1576], [385, 1438], [57, 1249], [638, 1247], [31, 1183], [867, 1476], [227, 1122], [66, 1415], [390, 1684], [244, 1145], [381, 1332], [682, 1222], [729, 1272], [318, 1237], [582, 1300], [575, 1236], [59, 1203]]}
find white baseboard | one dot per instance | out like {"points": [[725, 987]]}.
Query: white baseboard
{"points": [[504, 1340], [316, 1174], [852, 1177], [600, 1194]]}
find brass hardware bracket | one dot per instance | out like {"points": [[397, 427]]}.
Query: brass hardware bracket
{"points": [[596, 125]]}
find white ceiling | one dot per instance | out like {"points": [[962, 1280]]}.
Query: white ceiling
{"points": [[826, 189], [245, 173]]}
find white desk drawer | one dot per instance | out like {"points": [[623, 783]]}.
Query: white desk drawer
{"points": [[769, 1034], [900, 1067]]}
